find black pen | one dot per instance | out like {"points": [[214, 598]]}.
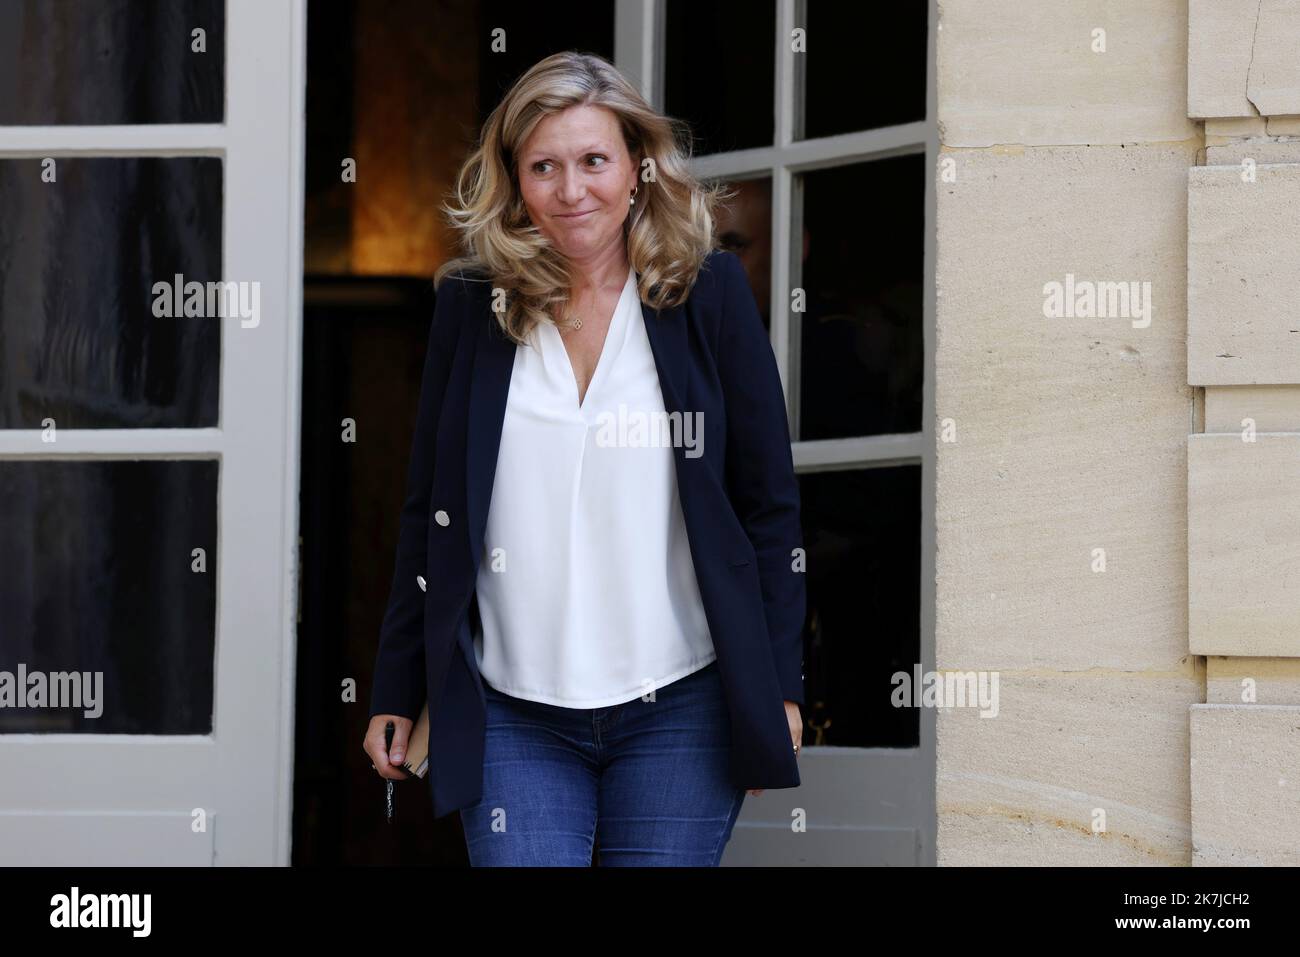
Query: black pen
{"points": [[389, 728]]}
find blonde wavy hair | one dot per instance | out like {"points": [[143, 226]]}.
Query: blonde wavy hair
{"points": [[669, 232]]}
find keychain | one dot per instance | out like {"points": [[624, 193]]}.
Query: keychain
{"points": [[389, 728]]}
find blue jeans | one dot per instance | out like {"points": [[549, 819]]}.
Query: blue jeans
{"points": [[648, 780]]}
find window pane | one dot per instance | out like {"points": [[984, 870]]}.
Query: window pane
{"points": [[861, 361], [111, 61], [864, 66], [862, 535], [97, 579], [744, 227], [719, 63], [79, 257]]}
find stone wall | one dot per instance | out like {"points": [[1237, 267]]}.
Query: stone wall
{"points": [[1118, 481]]}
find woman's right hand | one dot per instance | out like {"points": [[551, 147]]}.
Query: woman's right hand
{"points": [[389, 765]]}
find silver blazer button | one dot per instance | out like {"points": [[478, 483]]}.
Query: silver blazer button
{"points": [[441, 518], [419, 580]]}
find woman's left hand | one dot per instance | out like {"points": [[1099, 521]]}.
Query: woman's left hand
{"points": [[795, 720]]}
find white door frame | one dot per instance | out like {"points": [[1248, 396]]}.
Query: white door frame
{"points": [[129, 799]]}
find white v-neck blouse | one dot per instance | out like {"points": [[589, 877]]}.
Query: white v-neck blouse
{"points": [[586, 588]]}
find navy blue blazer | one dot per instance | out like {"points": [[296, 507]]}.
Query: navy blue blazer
{"points": [[740, 502]]}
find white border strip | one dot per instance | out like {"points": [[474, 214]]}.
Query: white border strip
{"points": [[179, 139]]}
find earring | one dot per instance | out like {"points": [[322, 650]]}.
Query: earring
{"points": [[632, 201]]}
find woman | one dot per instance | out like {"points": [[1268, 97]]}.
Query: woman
{"points": [[614, 548]]}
